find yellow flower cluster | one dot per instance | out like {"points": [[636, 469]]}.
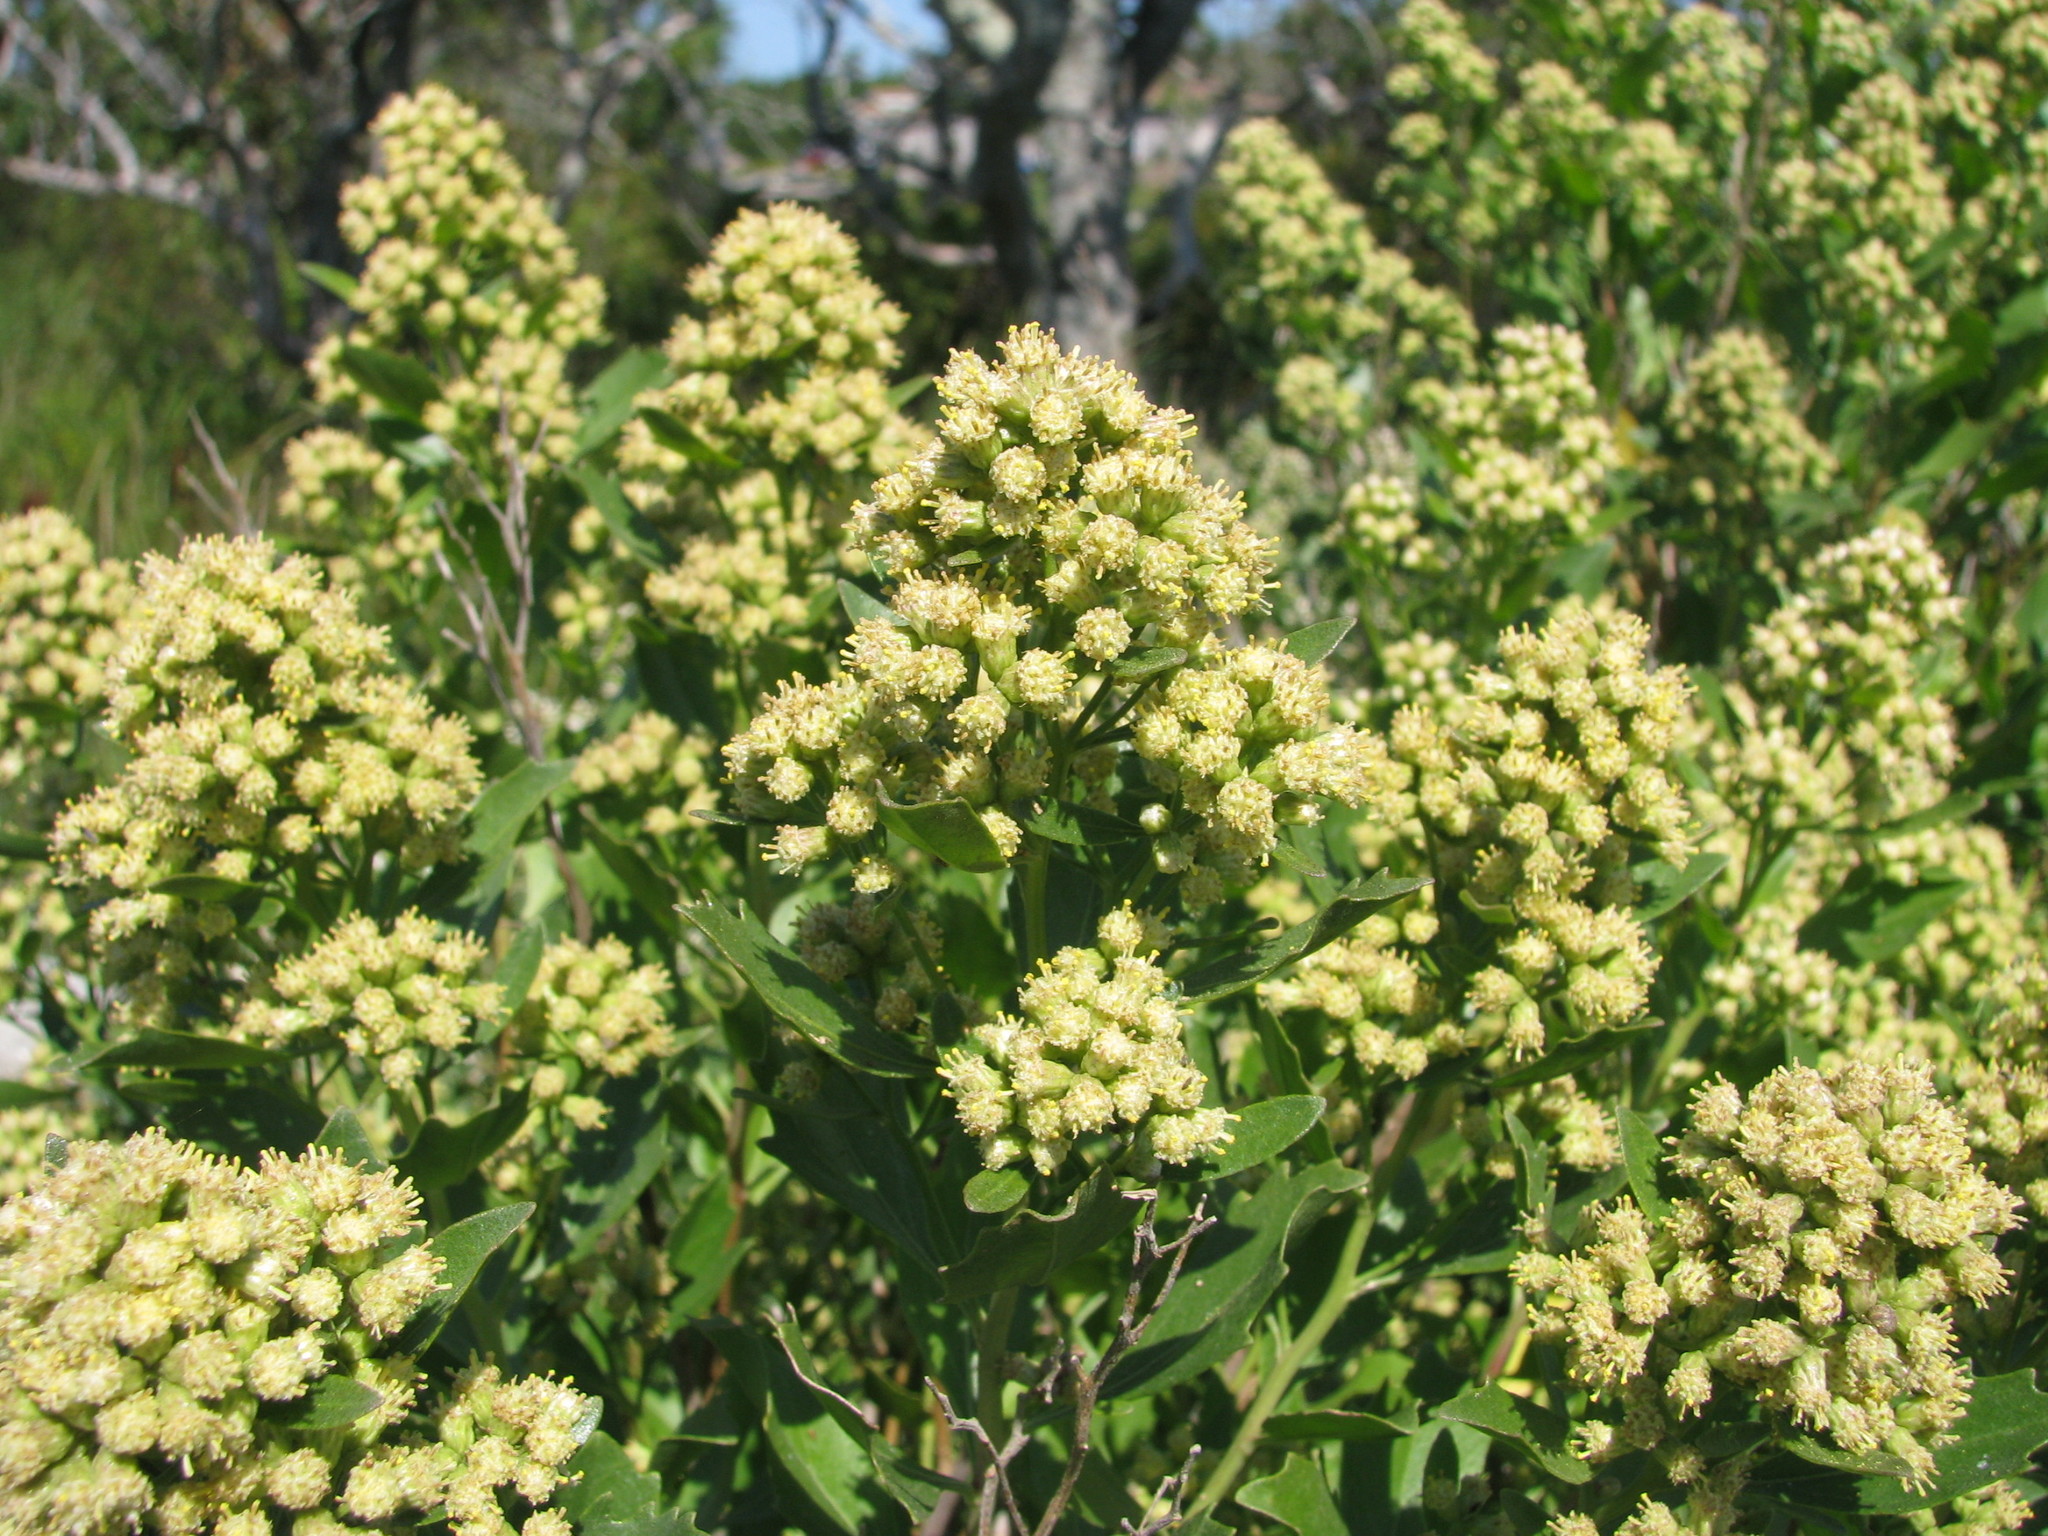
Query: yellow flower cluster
{"points": [[755, 583], [1828, 1226], [873, 951], [590, 1015], [1297, 263], [1528, 450], [386, 994], [57, 609], [1375, 993], [1098, 1047], [1052, 550], [163, 1311], [265, 723], [652, 772], [1739, 439], [1552, 781], [786, 369]]}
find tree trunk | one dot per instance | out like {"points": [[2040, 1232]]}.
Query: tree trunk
{"points": [[1084, 289]]}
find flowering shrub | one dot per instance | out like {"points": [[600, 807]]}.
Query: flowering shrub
{"points": [[679, 950]]}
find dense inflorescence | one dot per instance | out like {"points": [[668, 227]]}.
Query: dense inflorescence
{"points": [[58, 605], [391, 995], [267, 731], [1052, 549], [590, 1015], [163, 1312], [653, 772], [1828, 1225], [1097, 1048]]}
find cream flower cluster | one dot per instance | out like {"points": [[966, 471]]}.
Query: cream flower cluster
{"points": [[464, 267], [1528, 449], [1374, 990], [1098, 1047], [1844, 661], [1740, 440], [1055, 529], [1551, 783], [653, 772], [57, 609], [1297, 262], [264, 719], [1828, 1226], [755, 582], [874, 951], [591, 1014], [787, 368], [387, 994], [163, 1311]]}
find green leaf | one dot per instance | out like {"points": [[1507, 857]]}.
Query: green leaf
{"points": [[795, 994], [399, 384], [608, 1495], [995, 1190], [1297, 1497], [653, 893], [1664, 886], [1532, 1180], [860, 604], [972, 949], [215, 888], [621, 518], [1641, 1153], [521, 963], [14, 1095], [333, 1403], [1230, 1277], [1265, 1130], [243, 1120], [333, 279], [2023, 316], [1870, 920], [24, 845], [1313, 644], [1573, 1055], [1031, 1247], [846, 1149], [1347, 909], [501, 811], [1078, 826], [827, 1467], [177, 1052], [611, 395], [1339, 1424], [611, 1165], [463, 1250], [948, 830], [344, 1133], [445, 1154], [1139, 665], [2006, 1424], [1964, 441], [672, 434], [902, 394], [1872, 1464], [1538, 1431]]}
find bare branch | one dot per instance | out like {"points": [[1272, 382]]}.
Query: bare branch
{"points": [[1175, 1491]]}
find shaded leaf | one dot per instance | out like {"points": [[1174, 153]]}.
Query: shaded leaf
{"points": [[344, 1133], [1964, 441], [445, 1154], [463, 1249], [609, 1496], [1314, 643], [653, 893], [995, 1190], [1297, 1497], [621, 518], [1139, 665], [333, 279], [168, 1049], [611, 394], [948, 830], [1872, 919], [520, 964], [609, 1166], [399, 384], [1539, 1432], [1080, 827], [671, 432], [1263, 1131], [1347, 909], [216, 888], [2006, 1424], [1665, 887], [1641, 1153], [972, 949], [1339, 1424], [795, 994], [1032, 1247], [332, 1403], [501, 811], [860, 604], [1573, 1055]]}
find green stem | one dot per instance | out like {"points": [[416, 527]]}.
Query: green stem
{"points": [[1289, 1365], [1036, 872], [989, 1349]]}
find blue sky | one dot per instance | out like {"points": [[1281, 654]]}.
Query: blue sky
{"points": [[774, 39]]}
